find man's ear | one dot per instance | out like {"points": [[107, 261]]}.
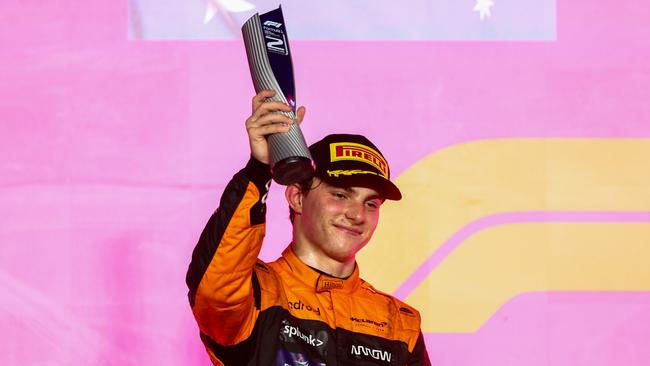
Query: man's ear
{"points": [[294, 196]]}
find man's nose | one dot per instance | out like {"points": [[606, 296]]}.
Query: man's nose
{"points": [[355, 212]]}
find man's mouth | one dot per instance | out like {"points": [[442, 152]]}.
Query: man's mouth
{"points": [[349, 229]]}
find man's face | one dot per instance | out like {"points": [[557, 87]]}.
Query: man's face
{"points": [[338, 221]]}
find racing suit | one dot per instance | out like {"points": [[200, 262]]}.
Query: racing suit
{"points": [[286, 313]]}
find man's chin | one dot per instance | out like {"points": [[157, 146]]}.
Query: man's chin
{"points": [[346, 251]]}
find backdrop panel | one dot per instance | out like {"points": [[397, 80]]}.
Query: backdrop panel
{"points": [[524, 232]]}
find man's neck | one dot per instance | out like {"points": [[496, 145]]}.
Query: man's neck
{"points": [[316, 259]]}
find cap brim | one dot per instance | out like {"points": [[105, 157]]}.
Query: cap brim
{"points": [[384, 187]]}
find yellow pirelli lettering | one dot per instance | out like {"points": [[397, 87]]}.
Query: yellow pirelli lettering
{"points": [[353, 151]]}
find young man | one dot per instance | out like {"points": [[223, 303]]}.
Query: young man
{"points": [[309, 307]]}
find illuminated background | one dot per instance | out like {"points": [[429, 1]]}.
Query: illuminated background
{"points": [[517, 130]]}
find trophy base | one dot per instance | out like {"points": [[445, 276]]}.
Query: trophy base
{"points": [[294, 169]]}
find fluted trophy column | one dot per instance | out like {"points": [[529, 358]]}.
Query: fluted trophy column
{"points": [[269, 59]]}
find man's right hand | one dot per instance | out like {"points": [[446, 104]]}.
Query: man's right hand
{"points": [[265, 121]]}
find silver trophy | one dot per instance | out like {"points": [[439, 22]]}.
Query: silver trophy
{"points": [[267, 49]]}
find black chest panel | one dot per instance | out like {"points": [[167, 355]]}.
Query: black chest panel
{"points": [[280, 339]]}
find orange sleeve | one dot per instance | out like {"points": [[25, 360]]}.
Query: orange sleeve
{"points": [[220, 277]]}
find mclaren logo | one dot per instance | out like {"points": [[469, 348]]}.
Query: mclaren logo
{"points": [[371, 352], [369, 321]]}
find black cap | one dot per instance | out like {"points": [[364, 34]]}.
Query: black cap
{"points": [[352, 160]]}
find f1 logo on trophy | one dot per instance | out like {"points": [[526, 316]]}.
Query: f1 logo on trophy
{"points": [[269, 59]]}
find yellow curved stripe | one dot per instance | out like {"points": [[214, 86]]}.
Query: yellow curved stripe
{"points": [[497, 264], [453, 187]]}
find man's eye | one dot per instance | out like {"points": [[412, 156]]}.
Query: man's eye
{"points": [[338, 195], [373, 204]]}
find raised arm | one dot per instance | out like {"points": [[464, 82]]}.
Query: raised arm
{"points": [[220, 276]]}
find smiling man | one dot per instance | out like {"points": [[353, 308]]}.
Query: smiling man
{"points": [[309, 307]]}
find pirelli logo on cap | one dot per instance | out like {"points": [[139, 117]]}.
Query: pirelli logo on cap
{"points": [[353, 151]]}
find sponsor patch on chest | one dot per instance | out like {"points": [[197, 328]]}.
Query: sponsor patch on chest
{"points": [[365, 352]]}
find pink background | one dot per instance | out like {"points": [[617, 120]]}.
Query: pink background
{"points": [[114, 153]]}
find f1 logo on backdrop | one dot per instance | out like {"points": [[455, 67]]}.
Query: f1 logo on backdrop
{"points": [[577, 220]]}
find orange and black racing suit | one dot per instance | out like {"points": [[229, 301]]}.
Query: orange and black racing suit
{"points": [[286, 313]]}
